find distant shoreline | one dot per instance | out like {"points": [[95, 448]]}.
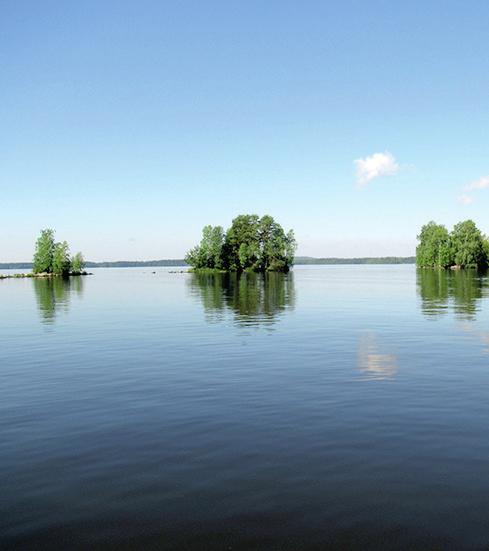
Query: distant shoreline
{"points": [[299, 260]]}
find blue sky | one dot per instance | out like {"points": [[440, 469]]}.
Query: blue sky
{"points": [[127, 126]]}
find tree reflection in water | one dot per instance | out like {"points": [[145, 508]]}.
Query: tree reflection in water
{"points": [[254, 299], [53, 295], [458, 290]]}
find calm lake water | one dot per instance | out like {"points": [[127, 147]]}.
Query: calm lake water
{"points": [[335, 407]]}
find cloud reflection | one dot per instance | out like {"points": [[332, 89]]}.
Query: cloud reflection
{"points": [[372, 362]]}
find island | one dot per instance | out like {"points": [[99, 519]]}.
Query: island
{"points": [[52, 259], [464, 247], [251, 244]]}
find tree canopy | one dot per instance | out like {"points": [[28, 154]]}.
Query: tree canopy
{"points": [[251, 244], [434, 247], [54, 258], [44, 254], [464, 247]]}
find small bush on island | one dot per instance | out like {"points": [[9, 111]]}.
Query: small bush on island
{"points": [[54, 258], [464, 247], [78, 263], [251, 244]]}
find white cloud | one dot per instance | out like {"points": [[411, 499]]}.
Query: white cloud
{"points": [[378, 164], [465, 199], [481, 183]]}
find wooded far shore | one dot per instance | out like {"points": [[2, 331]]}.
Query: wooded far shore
{"points": [[299, 260]]}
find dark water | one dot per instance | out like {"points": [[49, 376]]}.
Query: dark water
{"points": [[342, 407]]}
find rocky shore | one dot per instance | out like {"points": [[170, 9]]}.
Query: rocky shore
{"points": [[42, 275]]}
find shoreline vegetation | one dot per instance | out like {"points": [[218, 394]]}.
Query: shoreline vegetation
{"points": [[259, 245], [464, 247], [251, 244], [42, 275], [180, 262], [52, 259]]}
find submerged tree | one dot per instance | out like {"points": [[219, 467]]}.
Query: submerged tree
{"points": [[250, 244]]}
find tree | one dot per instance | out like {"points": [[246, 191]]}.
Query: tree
{"points": [[44, 253], [78, 263], [290, 247], [242, 243], [464, 247], [468, 245], [208, 254], [61, 259], [434, 249], [250, 244]]}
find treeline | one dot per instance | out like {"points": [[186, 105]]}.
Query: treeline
{"points": [[298, 260], [464, 247], [51, 257], [136, 263], [115, 264], [251, 244], [306, 260]]}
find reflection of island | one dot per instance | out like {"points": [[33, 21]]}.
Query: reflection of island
{"points": [[254, 299], [371, 362], [53, 294], [458, 290]]}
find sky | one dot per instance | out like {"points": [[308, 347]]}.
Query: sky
{"points": [[128, 126]]}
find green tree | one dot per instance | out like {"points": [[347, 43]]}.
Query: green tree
{"points": [[435, 248], [61, 259], [44, 253], [78, 263], [251, 244], [208, 254], [468, 245], [242, 243], [290, 247]]}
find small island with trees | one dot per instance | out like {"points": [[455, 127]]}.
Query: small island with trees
{"points": [[251, 244], [52, 259], [464, 247]]}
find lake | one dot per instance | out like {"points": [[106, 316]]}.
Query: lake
{"points": [[333, 407]]}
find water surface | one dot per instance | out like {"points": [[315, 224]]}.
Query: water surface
{"points": [[334, 407]]}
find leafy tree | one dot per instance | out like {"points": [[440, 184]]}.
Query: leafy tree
{"points": [[242, 243], [44, 253], [250, 244], [78, 263], [290, 247], [61, 259], [468, 245], [54, 258], [208, 254], [434, 249]]}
